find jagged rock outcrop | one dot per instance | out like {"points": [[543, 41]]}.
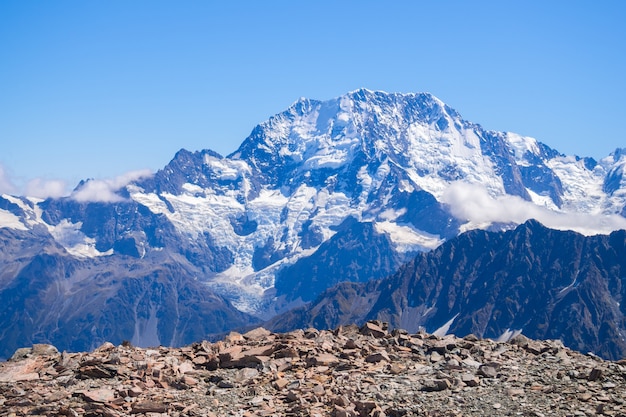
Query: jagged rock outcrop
{"points": [[351, 371]]}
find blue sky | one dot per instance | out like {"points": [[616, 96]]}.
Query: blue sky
{"points": [[95, 89]]}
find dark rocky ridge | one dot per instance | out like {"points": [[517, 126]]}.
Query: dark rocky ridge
{"points": [[548, 284]]}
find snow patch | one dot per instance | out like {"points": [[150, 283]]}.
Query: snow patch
{"points": [[520, 146], [408, 239], [508, 335], [70, 236], [443, 330], [10, 221]]}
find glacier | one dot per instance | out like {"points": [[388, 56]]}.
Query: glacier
{"points": [[389, 159]]}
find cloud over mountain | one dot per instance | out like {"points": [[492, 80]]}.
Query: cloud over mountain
{"points": [[43, 188], [6, 185], [473, 202], [105, 190]]}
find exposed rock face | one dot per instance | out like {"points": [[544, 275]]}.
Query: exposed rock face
{"points": [[356, 253], [350, 371], [546, 283], [105, 299]]}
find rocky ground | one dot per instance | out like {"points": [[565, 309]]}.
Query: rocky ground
{"points": [[350, 371]]}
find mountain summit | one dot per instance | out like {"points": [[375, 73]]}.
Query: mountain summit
{"points": [[326, 191]]}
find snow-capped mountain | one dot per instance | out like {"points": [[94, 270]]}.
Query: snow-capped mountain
{"points": [[388, 159], [287, 214]]}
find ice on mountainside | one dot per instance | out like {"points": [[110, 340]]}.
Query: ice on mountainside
{"points": [[385, 158]]}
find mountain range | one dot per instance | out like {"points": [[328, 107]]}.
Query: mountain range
{"points": [[348, 189]]}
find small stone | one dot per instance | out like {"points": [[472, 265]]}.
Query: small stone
{"points": [[470, 380], [234, 337], [340, 411], [102, 395], [377, 357], [487, 371], [259, 333], [513, 392], [396, 368], [595, 374], [246, 374], [319, 389], [608, 385], [225, 384], [189, 381], [280, 383], [431, 385], [372, 329], [21, 353], [148, 407], [135, 391], [105, 347], [471, 338], [341, 401], [323, 359], [42, 349]]}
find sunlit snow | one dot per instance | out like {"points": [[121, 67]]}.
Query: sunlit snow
{"points": [[74, 241]]}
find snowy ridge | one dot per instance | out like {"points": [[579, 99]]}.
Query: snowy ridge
{"points": [[395, 160]]}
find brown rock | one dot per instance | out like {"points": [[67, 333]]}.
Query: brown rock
{"points": [[340, 411], [280, 383], [189, 381], [148, 407], [323, 359], [513, 392], [373, 329], [21, 353], [470, 380], [329, 373], [396, 368], [102, 395], [488, 371], [257, 334], [134, 391], [96, 369], [234, 337], [377, 357], [595, 374], [435, 385]]}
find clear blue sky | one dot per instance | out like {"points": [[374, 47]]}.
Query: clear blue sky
{"points": [[94, 89]]}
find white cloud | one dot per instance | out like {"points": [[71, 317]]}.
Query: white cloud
{"points": [[42, 188], [6, 185], [105, 190], [473, 203]]}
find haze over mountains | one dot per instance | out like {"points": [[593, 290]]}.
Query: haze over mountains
{"points": [[347, 189]]}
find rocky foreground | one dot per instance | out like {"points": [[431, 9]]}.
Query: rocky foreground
{"points": [[350, 371]]}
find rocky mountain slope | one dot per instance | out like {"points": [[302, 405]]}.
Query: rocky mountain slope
{"points": [[348, 372], [344, 189], [545, 283]]}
